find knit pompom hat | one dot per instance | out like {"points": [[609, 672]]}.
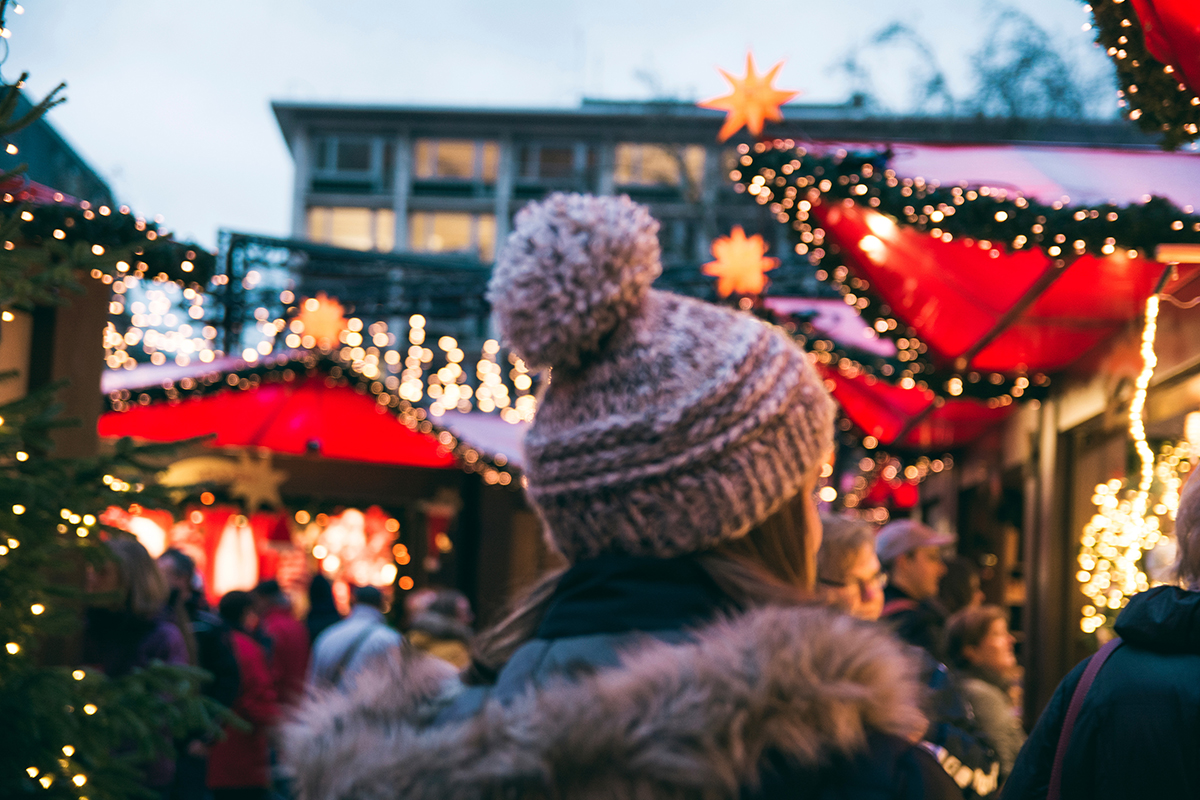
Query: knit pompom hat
{"points": [[669, 424]]}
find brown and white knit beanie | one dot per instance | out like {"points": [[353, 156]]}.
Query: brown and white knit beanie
{"points": [[669, 424]]}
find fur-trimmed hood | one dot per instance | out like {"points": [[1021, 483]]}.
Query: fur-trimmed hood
{"points": [[685, 720]]}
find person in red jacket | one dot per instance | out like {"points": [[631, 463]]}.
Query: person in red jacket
{"points": [[239, 765], [289, 645]]}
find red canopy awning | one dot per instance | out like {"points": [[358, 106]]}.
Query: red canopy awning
{"points": [[913, 418], [304, 416], [981, 308]]}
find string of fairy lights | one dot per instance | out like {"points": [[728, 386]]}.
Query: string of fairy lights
{"points": [[1127, 523], [797, 186]]}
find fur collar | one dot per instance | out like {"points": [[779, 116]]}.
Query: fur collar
{"points": [[674, 721]]}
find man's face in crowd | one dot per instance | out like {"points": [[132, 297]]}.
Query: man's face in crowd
{"points": [[919, 571]]}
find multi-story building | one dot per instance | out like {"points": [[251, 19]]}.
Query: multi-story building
{"points": [[439, 180]]}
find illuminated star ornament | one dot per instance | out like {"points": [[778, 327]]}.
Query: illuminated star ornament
{"points": [[752, 101], [323, 318], [741, 263]]}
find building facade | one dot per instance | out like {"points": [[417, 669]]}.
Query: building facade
{"points": [[439, 180]]}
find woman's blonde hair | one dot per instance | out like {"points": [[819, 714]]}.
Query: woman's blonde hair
{"points": [[142, 586], [771, 565], [1187, 533]]}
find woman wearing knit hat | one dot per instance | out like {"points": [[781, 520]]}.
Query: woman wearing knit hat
{"points": [[672, 461]]}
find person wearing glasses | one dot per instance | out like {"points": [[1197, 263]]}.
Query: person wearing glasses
{"points": [[849, 576]]}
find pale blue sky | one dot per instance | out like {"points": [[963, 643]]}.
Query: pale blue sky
{"points": [[169, 99]]}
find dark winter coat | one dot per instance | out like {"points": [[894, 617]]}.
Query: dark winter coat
{"points": [[921, 623], [639, 685], [1138, 733], [214, 653]]}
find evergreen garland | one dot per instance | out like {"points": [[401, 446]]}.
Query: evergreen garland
{"points": [[789, 180], [45, 248], [1154, 94]]}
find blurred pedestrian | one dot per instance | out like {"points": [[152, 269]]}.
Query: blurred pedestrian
{"points": [[849, 576], [322, 609], [350, 646], [960, 587], [980, 650], [289, 648], [239, 765], [441, 626], [912, 555], [210, 648], [128, 626], [1137, 729], [673, 459]]}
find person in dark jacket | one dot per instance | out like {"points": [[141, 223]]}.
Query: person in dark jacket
{"points": [[849, 578], [211, 649], [673, 460], [912, 555], [128, 626], [322, 610], [1138, 731]]}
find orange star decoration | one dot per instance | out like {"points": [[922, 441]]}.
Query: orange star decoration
{"points": [[752, 101], [323, 318], [741, 264]]}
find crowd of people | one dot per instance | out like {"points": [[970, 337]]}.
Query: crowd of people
{"points": [[260, 657], [710, 635]]}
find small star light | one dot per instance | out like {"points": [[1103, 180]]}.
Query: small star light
{"points": [[752, 101], [322, 318], [741, 263]]}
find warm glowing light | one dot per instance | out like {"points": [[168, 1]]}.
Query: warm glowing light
{"points": [[90, 709], [874, 248], [752, 101], [37, 609], [405, 583], [1126, 526], [68, 750], [741, 263], [881, 225], [13, 648], [78, 674], [320, 551], [827, 494]]}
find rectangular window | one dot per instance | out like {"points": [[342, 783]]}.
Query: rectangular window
{"points": [[542, 162], [352, 165], [452, 231], [456, 159], [658, 164], [353, 155], [353, 228]]}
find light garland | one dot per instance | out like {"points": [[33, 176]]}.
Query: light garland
{"points": [[794, 184], [1126, 525]]}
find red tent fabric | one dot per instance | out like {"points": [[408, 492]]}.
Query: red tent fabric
{"points": [[910, 418], [299, 417], [980, 308]]}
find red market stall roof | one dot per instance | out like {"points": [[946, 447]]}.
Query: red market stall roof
{"points": [[981, 309], [912, 419], [305, 416]]}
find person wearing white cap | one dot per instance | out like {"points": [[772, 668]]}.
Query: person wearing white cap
{"points": [[912, 555]]}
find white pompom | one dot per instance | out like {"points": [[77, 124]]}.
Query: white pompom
{"points": [[573, 269]]}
